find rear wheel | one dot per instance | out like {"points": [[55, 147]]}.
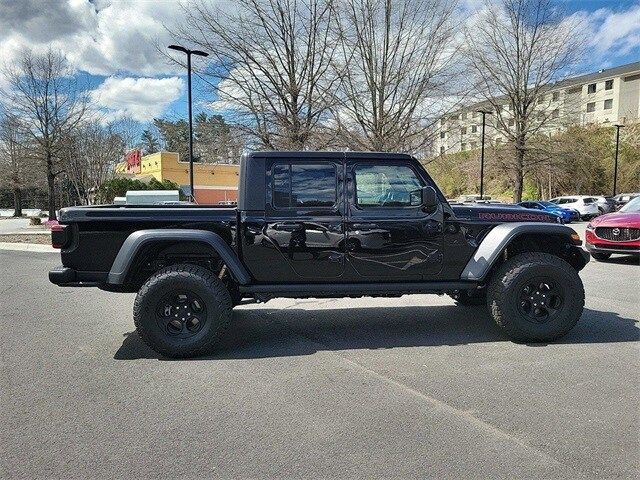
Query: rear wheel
{"points": [[601, 257], [182, 311], [535, 297]]}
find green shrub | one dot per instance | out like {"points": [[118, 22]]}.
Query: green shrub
{"points": [[35, 221]]}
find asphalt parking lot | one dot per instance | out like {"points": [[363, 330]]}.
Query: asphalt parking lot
{"points": [[408, 387]]}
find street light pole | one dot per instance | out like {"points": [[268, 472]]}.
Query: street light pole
{"points": [[189, 53], [484, 114], [615, 165]]}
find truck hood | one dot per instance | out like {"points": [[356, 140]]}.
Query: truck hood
{"points": [[502, 213]]}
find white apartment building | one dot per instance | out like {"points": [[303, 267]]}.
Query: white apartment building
{"points": [[607, 96]]}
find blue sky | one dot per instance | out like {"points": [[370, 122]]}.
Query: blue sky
{"points": [[113, 46]]}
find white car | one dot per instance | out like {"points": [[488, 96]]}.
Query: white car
{"points": [[587, 206]]}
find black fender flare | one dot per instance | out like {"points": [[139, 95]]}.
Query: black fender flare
{"points": [[494, 243], [134, 242]]}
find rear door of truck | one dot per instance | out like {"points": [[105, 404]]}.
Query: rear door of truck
{"points": [[304, 219]]}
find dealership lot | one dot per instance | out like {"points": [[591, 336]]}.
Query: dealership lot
{"points": [[411, 386]]}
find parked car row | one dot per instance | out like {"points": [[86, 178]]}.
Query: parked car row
{"points": [[568, 208], [568, 215]]}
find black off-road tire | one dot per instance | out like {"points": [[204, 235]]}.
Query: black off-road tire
{"points": [[601, 257], [470, 298], [183, 280], [508, 284]]}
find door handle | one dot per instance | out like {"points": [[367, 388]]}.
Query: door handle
{"points": [[364, 227], [288, 227]]}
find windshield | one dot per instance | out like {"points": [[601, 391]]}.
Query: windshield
{"points": [[547, 204], [632, 207]]}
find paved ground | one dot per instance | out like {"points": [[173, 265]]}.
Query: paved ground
{"points": [[10, 225], [410, 387]]}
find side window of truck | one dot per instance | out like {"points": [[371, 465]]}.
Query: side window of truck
{"points": [[385, 185], [304, 185]]}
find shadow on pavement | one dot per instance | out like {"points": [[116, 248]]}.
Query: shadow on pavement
{"points": [[623, 260], [294, 332]]}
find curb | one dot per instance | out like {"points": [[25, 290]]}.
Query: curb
{"points": [[28, 247]]}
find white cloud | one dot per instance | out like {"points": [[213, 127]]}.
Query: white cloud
{"points": [[618, 32], [102, 37], [140, 99]]}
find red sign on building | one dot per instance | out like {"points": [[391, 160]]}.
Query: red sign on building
{"points": [[133, 158]]}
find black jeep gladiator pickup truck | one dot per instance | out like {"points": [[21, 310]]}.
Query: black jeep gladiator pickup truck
{"points": [[322, 224]]}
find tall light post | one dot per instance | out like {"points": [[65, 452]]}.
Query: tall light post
{"points": [[615, 164], [484, 114], [200, 54]]}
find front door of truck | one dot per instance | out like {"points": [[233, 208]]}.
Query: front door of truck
{"points": [[304, 219], [389, 234]]}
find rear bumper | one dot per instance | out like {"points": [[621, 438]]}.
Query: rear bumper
{"points": [[68, 277]]}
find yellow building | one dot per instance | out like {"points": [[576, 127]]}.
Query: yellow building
{"points": [[213, 183]]}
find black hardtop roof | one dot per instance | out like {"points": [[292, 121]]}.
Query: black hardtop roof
{"points": [[302, 155]]}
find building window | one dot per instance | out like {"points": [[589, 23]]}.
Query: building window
{"points": [[441, 150], [464, 116], [556, 96], [608, 104], [463, 131], [463, 146], [442, 120], [591, 88], [591, 107], [474, 128], [608, 85], [555, 113], [442, 134], [511, 122]]}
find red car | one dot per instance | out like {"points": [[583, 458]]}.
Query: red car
{"points": [[617, 232]]}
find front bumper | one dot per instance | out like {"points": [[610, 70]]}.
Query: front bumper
{"points": [[608, 248], [596, 244]]}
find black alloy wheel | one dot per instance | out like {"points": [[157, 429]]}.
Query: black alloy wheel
{"points": [[541, 299], [535, 297], [182, 311], [182, 314]]}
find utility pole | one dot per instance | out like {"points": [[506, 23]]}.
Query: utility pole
{"points": [[484, 114], [615, 165], [189, 53]]}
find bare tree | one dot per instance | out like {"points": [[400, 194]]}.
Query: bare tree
{"points": [[89, 157], [517, 49], [44, 95], [396, 58], [272, 60], [14, 165]]}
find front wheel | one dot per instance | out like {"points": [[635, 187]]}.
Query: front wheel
{"points": [[535, 297], [182, 311]]}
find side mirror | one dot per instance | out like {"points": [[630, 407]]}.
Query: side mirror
{"points": [[429, 197]]}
